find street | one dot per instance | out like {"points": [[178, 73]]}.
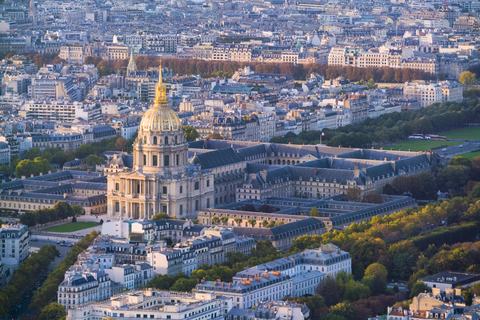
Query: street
{"points": [[455, 150]]}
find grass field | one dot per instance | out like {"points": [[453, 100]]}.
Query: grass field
{"points": [[73, 226], [420, 145], [470, 155], [465, 133]]}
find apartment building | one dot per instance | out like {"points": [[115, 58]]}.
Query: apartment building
{"points": [[165, 261], [276, 309], [249, 291], [155, 304], [118, 52], [66, 141], [451, 91], [5, 154], [73, 54], [358, 106], [60, 110], [83, 287], [126, 275], [54, 87], [426, 94], [15, 245]]}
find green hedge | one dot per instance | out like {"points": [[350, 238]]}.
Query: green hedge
{"points": [[447, 235]]}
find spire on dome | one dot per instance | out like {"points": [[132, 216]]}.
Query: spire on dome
{"points": [[160, 91]]}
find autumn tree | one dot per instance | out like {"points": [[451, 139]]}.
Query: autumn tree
{"points": [[190, 133], [121, 144], [314, 212], [467, 78]]}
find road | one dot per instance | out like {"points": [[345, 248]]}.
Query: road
{"points": [[455, 150], [23, 309]]}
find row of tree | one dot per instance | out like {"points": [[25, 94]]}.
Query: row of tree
{"points": [[25, 277], [458, 178], [393, 126], [60, 211], [227, 68], [48, 291]]}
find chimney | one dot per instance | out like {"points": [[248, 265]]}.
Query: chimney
{"points": [[229, 284], [263, 174], [364, 170], [41, 173], [88, 171], [315, 171], [65, 196], [31, 176], [356, 172], [49, 172]]}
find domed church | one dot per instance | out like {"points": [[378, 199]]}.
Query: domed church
{"points": [[160, 181]]}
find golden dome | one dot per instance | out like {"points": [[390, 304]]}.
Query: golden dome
{"points": [[160, 117]]}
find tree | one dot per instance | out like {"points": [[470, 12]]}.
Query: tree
{"points": [[101, 221], [77, 210], [460, 161], [327, 288], [53, 311], [343, 309], [28, 167], [215, 220], [161, 216], [253, 222], [215, 136], [74, 219], [453, 178], [121, 144], [373, 197], [353, 194], [238, 221], [377, 270], [190, 133], [418, 288], [264, 223], [94, 160], [467, 78], [314, 212], [224, 220]]}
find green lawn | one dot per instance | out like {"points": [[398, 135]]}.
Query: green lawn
{"points": [[73, 226], [465, 133], [470, 155], [420, 145]]}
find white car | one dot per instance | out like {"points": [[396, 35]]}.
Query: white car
{"points": [[460, 146], [444, 149]]}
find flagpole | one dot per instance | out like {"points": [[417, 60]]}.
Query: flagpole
{"points": [[321, 133]]}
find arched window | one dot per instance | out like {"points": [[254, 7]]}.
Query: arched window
{"points": [[166, 160], [154, 140], [166, 140]]}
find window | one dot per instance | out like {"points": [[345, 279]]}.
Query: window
{"points": [[164, 190], [166, 140], [117, 206], [197, 185], [176, 140], [196, 204], [181, 189], [166, 160], [178, 160], [181, 209], [117, 186], [208, 202], [208, 183], [164, 209], [155, 160], [144, 159], [154, 140]]}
